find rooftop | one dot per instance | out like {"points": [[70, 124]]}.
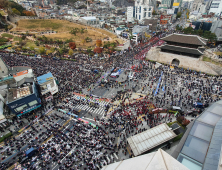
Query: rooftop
{"points": [[182, 49], [185, 39], [151, 138], [152, 161], [202, 145], [44, 78], [89, 18], [20, 92]]}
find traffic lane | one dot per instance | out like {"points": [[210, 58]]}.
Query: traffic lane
{"points": [[65, 130], [55, 166], [35, 142]]}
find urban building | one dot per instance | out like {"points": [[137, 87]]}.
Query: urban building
{"points": [[165, 19], [152, 23], [48, 85], [130, 14], [217, 29], [216, 7], [23, 97], [138, 32], [142, 10], [189, 45], [167, 3], [201, 146], [91, 21]]}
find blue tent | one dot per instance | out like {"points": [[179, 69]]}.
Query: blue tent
{"points": [[30, 152]]}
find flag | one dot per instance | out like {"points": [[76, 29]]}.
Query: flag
{"points": [[175, 113]]}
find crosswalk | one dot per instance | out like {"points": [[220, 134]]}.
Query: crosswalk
{"points": [[103, 103], [84, 106]]}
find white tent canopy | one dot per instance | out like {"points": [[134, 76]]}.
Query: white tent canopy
{"points": [[151, 138]]}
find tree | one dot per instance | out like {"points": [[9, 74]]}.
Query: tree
{"points": [[48, 52], [180, 119], [4, 4], [28, 13], [88, 39], [83, 41], [200, 32], [72, 45], [148, 36], [98, 50], [98, 43], [82, 30], [42, 50], [89, 50], [154, 12], [24, 48], [36, 43], [188, 30], [178, 28], [52, 49], [185, 122], [15, 11], [23, 37], [6, 28], [31, 48], [178, 15], [70, 52]]}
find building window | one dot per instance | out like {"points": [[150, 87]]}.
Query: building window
{"points": [[140, 9], [144, 9], [134, 12], [2, 71], [149, 9], [149, 14], [139, 17], [144, 15], [19, 109], [32, 103]]}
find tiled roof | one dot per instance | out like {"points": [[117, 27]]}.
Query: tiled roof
{"points": [[181, 49], [185, 39]]}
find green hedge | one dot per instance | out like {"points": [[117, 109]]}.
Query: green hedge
{"points": [[5, 136], [7, 35], [178, 137], [68, 59], [171, 123], [172, 111]]}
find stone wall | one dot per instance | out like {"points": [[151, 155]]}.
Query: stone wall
{"points": [[185, 61]]}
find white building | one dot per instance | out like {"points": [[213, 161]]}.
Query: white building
{"points": [[142, 10], [216, 7], [129, 13]]}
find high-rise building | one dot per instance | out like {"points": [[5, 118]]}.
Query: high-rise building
{"points": [[130, 14], [142, 10], [216, 7]]}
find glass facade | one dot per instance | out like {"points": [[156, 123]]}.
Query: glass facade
{"points": [[201, 149], [189, 163], [195, 148]]}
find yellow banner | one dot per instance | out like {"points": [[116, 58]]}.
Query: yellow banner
{"points": [[176, 4]]}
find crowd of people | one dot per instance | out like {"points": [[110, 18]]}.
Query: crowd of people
{"points": [[82, 146]]}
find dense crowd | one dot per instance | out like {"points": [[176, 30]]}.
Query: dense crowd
{"points": [[83, 146]]}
